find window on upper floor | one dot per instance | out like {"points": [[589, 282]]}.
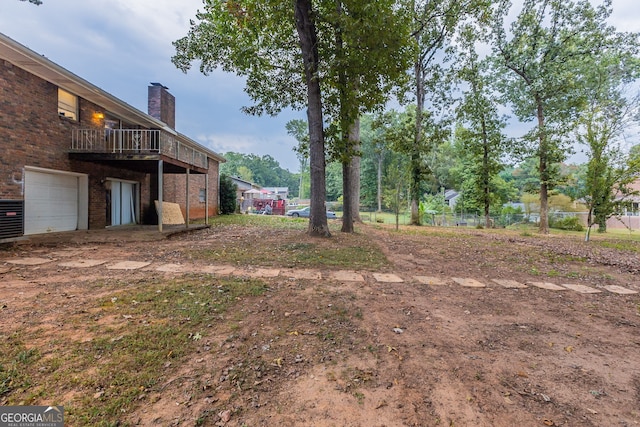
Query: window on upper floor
{"points": [[67, 104]]}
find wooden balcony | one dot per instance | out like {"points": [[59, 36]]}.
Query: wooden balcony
{"points": [[138, 147]]}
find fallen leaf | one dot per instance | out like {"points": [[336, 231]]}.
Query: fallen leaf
{"points": [[293, 333], [568, 349]]}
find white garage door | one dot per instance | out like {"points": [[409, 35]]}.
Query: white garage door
{"points": [[51, 202]]}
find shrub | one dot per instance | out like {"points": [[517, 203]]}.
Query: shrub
{"points": [[227, 195], [568, 223]]}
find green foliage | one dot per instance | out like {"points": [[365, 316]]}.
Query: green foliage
{"points": [[542, 54], [228, 194], [571, 223], [264, 171]]}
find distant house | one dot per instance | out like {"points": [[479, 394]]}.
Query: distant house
{"points": [[629, 217], [75, 157], [245, 192], [451, 198], [277, 192]]}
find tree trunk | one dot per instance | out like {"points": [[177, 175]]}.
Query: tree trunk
{"points": [[416, 167], [354, 170], [380, 160], [347, 206], [543, 168], [309, 46], [485, 175]]}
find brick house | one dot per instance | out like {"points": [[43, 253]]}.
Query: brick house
{"points": [[75, 157]]}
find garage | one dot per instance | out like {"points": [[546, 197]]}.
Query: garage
{"points": [[54, 201]]}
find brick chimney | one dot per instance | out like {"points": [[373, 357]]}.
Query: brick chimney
{"points": [[162, 105]]}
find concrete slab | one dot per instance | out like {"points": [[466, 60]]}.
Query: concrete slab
{"points": [[468, 283], [582, 288], [259, 272], [433, 281], [29, 261], [547, 285], [511, 284], [171, 268], [83, 263], [218, 270], [347, 276], [620, 290], [128, 265], [387, 278], [302, 274]]}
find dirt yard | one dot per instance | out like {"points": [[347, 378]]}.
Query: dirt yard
{"points": [[385, 336]]}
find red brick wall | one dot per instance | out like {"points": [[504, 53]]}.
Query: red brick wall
{"points": [[175, 191]]}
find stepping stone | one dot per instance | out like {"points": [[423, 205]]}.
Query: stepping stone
{"points": [[433, 281], [83, 263], [511, 284], [128, 265], [387, 278], [302, 274], [620, 290], [29, 261], [171, 268], [220, 270], [468, 283], [582, 289], [547, 285], [347, 276], [259, 272]]}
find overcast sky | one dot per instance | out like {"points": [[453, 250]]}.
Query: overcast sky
{"points": [[123, 45]]}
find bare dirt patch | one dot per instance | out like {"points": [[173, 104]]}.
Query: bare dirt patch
{"points": [[325, 352]]}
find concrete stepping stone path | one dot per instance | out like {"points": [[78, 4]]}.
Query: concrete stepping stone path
{"points": [[387, 278], [468, 283], [300, 274], [620, 290], [547, 285], [582, 289], [509, 284]]}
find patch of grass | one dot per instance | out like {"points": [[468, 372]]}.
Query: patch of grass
{"points": [[156, 324], [15, 363]]}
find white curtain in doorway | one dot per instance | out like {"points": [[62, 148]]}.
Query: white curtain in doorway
{"points": [[123, 206]]}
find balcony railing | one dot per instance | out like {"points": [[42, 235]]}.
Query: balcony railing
{"points": [[135, 141]]}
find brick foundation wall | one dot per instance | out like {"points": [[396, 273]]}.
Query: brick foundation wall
{"points": [[175, 191]]}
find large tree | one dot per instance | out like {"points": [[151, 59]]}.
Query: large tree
{"points": [[544, 49], [369, 57], [351, 54], [273, 44], [612, 109], [435, 23], [479, 134]]}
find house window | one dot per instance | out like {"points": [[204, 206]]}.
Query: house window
{"points": [[67, 105], [203, 195]]}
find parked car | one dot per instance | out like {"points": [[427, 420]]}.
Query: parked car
{"points": [[304, 213]]}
